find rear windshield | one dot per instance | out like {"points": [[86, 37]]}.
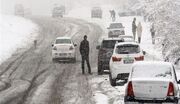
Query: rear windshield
{"points": [[110, 43], [63, 41], [127, 49], [152, 71], [116, 25]]}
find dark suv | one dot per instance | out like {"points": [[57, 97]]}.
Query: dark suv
{"points": [[105, 51]]}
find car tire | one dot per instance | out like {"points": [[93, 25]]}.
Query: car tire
{"points": [[100, 69], [74, 60], [54, 60], [112, 81]]}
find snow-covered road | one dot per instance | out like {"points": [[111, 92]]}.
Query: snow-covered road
{"points": [[30, 77]]}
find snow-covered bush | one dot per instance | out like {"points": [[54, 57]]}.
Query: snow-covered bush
{"points": [[165, 14]]}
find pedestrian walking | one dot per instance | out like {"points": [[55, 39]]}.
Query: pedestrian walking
{"points": [[113, 15], [134, 28], [139, 32], [35, 44], [152, 30], [84, 51]]}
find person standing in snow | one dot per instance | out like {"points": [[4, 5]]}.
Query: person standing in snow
{"points": [[35, 43], [113, 15], [152, 30], [84, 51], [134, 28], [139, 32]]}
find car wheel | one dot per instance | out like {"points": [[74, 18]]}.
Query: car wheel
{"points": [[112, 81], [54, 60], [100, 69], [74, 60]]}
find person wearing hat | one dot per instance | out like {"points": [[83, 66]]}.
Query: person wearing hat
{"points": [[84, 51]]}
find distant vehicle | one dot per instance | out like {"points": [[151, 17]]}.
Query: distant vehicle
{"points": [[124, 55], [105, 52], [152, 82], [58, 11], [19, 10], [63, 49], [115, 30], [96, 12], [127, 38]]}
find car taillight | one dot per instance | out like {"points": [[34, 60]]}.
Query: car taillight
{"points": [[130, 91], [71, 48], [115, 59], [141, 58], [170, 89], [54, 48]]}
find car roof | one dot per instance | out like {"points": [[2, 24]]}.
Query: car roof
{"points": [[152, 63], [112, 39], [124, 43], [63, 38], [115, 23], [124, 36]]}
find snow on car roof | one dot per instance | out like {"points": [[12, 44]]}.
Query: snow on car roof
{"points": [[152, 63], [63, 38], [152, 69], [112, 39], [122, 36], [124, 43]]}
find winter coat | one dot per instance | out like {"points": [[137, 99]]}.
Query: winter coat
{"points": [[152, 30], [134, 26], [139, 30], [84, 48]]}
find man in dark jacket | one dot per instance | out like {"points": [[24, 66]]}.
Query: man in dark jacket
{"points": [[84, 51], [134, 28]]}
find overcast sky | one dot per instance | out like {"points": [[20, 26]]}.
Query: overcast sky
{"points": [[44, 7]]}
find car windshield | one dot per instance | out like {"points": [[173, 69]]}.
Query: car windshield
{"points": [[127, 49], [116, 25], [63, 41], [152, 71], [110, 43]]}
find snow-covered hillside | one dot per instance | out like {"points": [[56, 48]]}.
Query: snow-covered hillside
{"points": [[15, 32]]}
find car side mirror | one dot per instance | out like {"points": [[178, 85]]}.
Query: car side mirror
{"points": [[75, 45], [98, 47], [144, 52], [52, 45]]}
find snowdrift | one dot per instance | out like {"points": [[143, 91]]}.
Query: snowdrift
{"points": [[15, 33]]}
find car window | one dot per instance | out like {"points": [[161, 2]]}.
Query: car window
{"points": [[152, 71], [63, 41], [127, 49], [110, 43], [116, 25]]}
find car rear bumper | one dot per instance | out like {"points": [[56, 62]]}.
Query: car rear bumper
{"points": [[117, 70], [105, 64], [168, 100]]}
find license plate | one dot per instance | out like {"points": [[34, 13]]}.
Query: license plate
{"points": [[62, 54], [128, 61]]}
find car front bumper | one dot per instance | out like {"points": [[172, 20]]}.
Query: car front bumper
{"points": [[63, 55]]}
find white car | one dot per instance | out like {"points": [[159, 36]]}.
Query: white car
{"points": [[124, 55], [63, 49], [152, 82], [127, 38], [115, 30]]}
